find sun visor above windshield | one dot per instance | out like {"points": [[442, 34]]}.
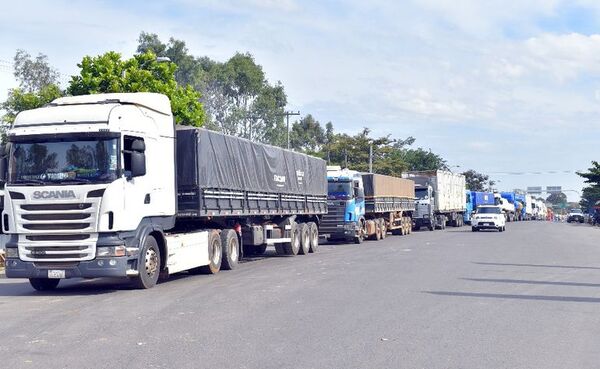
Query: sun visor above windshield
{"points": [[60, 115]]}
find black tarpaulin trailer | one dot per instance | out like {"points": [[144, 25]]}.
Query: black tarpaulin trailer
{"points": [[220, 175]]}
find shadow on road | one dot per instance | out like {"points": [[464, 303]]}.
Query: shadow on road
{"points": [[523, 281], [516, 297], [537, 265]]}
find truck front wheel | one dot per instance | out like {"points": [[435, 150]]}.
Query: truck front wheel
{"points": [[231, 249], [148, 265], [44, 284]]}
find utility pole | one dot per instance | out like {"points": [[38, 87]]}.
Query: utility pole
{"points": [[371, 158], [287, 116]]}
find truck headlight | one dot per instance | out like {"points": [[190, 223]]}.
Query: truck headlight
{"points": [[12, 252], [425, 215], [108, 251]]}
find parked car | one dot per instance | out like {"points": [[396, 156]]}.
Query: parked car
{"points": [[488, 217]]}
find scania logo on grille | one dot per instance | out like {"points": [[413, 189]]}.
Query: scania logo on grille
{"points": [[63, 194]]}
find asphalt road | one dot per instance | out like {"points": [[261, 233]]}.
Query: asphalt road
{"points": [[526, 298]]}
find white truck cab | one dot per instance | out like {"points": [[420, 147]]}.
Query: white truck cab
{"points": [[90, 177]]}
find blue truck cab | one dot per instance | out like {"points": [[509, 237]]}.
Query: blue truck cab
{"points": [[475, 199], [520, 207], [345, 204]]}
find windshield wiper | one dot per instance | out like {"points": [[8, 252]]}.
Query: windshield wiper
{"points": [[31, 182], [75, 181]]}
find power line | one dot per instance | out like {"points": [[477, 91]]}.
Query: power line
{"points": [[535, 172]]}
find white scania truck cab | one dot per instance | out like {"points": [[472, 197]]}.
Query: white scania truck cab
{"points": [[90, 186]]}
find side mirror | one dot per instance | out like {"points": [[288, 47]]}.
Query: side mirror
{"points": [[138, 164], [138, 145]]}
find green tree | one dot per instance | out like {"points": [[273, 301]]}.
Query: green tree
{"points": [[591, 194], [478, 181], [420, 159], [237, 98], [307, 135], [38, 85], [353, 151], [557, 198], [33, 74], [143, 73]]}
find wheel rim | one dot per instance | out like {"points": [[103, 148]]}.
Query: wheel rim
{"points": [[305, 241], [315, 240], [151, 262], [233, 251], [216, 253], [296, 243]]}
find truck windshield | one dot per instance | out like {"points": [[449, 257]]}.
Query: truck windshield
{"points": [[421, 194], [491, 210], [339, 190], [66, 161]]}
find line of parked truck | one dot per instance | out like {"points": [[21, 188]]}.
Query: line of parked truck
{"points": [[107, 185]]}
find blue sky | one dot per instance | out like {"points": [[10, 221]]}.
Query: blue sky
{"points": [[496, 86]]}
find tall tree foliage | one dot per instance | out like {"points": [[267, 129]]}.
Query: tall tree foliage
{"points": [[238, 99], [591, 194], [307, 135], [478, 181], [38, 85], [143, 73]]}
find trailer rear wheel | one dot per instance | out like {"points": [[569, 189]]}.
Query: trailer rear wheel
{"points": [[383, 227], [314, 237], [231, 249], [44, 284], [377, 235], [149, 264], [304, 232], [292, 247], [215, 254]]}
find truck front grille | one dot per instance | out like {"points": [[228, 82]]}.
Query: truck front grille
{"points": [[336, 215], [57, 232]]}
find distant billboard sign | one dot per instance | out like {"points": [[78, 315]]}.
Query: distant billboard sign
{"points": [[554, 189], [534, 190]]}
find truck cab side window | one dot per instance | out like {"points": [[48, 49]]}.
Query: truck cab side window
{"points": [[134, 157]]}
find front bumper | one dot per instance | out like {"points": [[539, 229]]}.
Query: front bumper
{"points": [[341, 231], [16, 268], [487, 224], [575, 218]]}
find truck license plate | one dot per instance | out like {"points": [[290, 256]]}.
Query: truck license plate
{"points": [[56, 274]]}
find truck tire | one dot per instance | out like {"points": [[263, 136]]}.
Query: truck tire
{"points": [[474, 229], [215, 255], [291, 248], [360, 237], [383, 227], [44, 284], [304, 232], [377, 235], [149, 263], [231, 249], [313, 231]]}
